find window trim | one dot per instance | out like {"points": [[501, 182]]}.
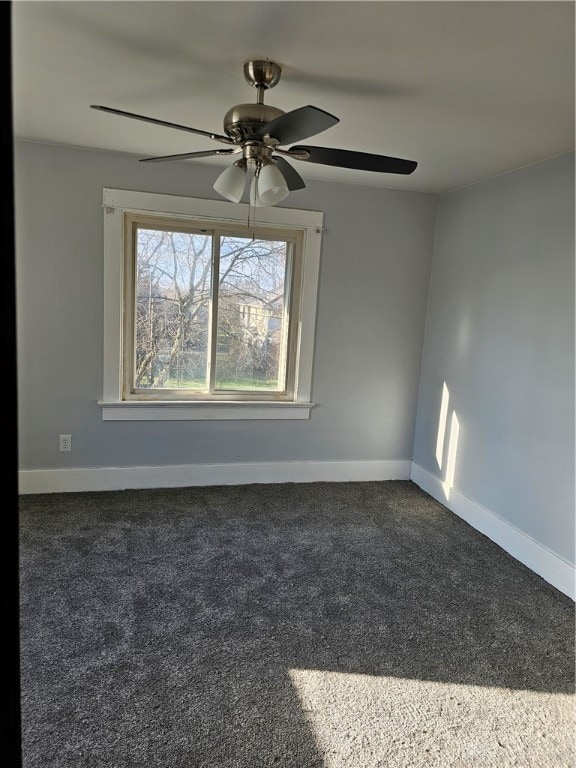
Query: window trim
{"points": [[116, 203]]}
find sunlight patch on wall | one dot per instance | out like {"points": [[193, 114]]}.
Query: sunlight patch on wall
{"points": [[370, 720], [448, 483], [442, 421]]}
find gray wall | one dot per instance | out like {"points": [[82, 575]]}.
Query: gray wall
{"points": [[374, 278], [500, 334]]}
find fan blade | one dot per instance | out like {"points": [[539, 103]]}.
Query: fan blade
{"points": [[297, 124], [361, 161], [292, 177], [189, 155], [215, 136]]}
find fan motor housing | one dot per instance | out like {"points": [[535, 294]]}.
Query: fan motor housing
{"points": [[242, 121]]}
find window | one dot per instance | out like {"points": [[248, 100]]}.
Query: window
{"points": [[207, 315], [210, 311]]}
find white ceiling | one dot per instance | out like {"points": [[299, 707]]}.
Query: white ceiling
{"points": [[467, 89]]}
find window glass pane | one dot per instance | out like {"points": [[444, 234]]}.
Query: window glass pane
{"points": [[251, 332], [173, 284]]}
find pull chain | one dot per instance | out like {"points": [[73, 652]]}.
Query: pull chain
{"points": [[252, 203]]}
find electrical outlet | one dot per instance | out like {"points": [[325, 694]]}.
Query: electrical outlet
{"points": [[65, 442]]}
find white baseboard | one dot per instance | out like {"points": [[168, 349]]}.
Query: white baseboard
{"points": [[550, 566], [120, 478]]}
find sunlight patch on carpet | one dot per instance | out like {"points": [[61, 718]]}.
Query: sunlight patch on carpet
{"points": [[370, 721]]}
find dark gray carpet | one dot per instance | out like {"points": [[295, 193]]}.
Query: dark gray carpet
{"points": [[300, 625]]}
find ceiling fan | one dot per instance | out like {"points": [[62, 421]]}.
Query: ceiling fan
{"points": [[258, 132]]}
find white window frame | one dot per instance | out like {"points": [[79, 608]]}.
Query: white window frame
{"points": [[117, 203]]}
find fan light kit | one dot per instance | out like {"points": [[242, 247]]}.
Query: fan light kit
{"points": [[257, 131]]}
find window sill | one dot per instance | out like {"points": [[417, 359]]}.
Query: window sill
{"points": [[202, 410]]}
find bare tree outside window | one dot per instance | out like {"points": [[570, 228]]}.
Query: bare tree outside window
{"points": [[251, 314], [193, 335]]}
